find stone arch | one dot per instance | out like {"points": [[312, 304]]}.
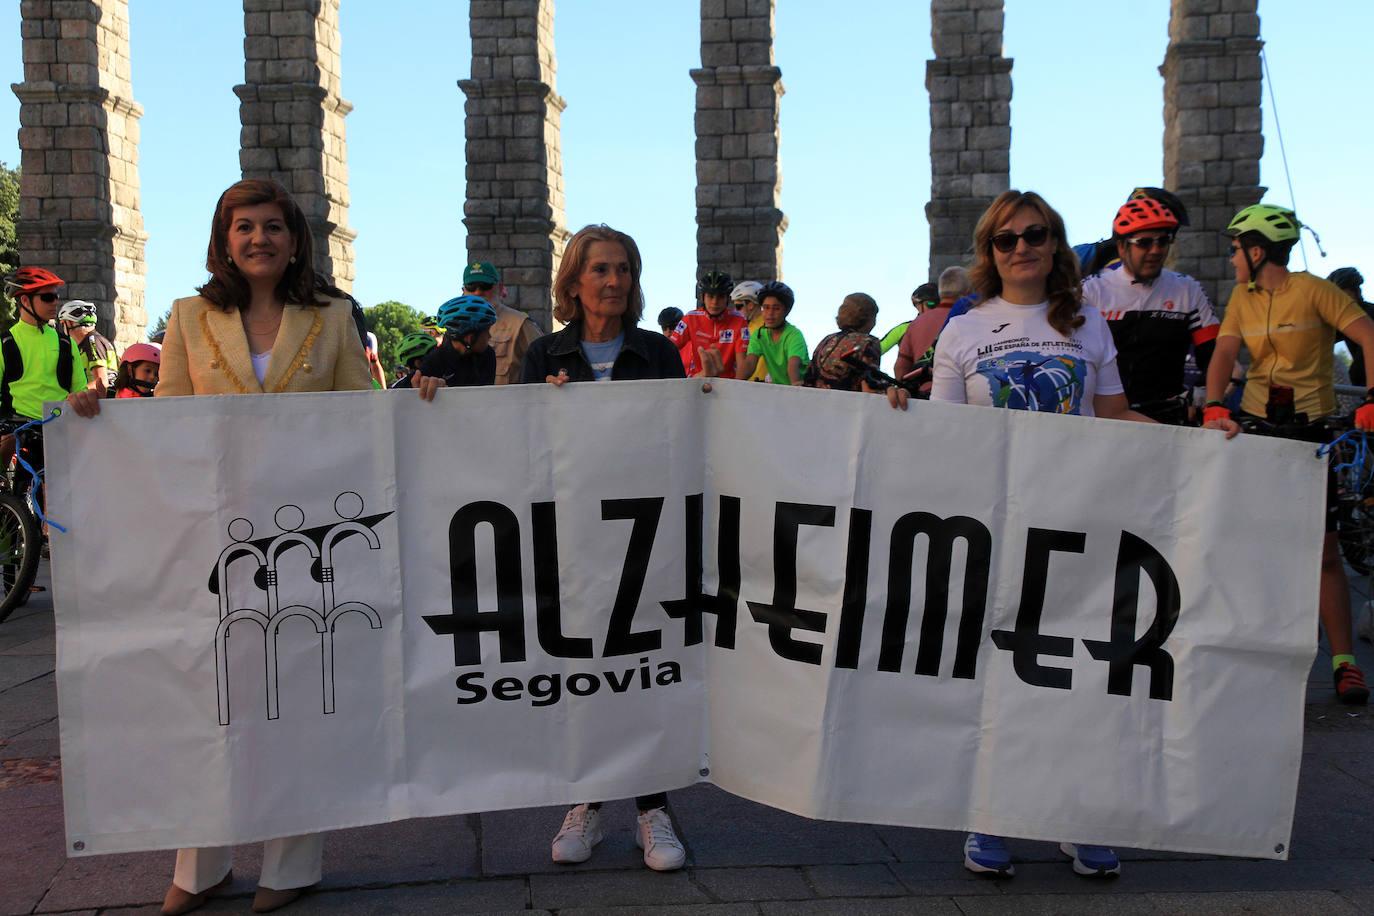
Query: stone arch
{"points": [[78, 140], [514, 211], [292, 111], [740, 224]]}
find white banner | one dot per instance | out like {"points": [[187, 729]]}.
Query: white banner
{"points": [[283, 614]]}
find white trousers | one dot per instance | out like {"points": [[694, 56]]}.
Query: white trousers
{"points": [[287, 863]]}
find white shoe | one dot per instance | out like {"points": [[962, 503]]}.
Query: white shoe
{"points": [[580, 832], [662, 849]]}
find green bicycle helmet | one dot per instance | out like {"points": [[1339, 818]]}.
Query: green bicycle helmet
{"points": [[414, 346], [1276, 224]]}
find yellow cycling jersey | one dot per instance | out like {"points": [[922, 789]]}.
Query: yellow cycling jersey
{"points": [[1290, 333]]}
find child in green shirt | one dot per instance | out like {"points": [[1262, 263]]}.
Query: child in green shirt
{"points": [[778, 343]]}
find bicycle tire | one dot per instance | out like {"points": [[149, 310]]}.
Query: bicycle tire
{"points": [[20, 546]]}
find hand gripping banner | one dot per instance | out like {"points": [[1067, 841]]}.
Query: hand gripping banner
{"points": [[285, 614]]}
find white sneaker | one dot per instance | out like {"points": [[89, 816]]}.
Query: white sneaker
{"points": [[662, 849], [580, 832]]}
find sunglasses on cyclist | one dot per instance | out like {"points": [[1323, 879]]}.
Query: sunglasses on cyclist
{"points": [[477, 288], [1035, 236], [1145, 243], [45, 297]]}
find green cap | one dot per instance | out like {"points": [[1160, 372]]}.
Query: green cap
{"points": [[481, 272]]}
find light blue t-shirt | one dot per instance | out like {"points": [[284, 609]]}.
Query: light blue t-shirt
{"points": [[602, 356]]}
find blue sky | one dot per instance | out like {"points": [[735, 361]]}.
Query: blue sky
{"points": [[1087, 124]]}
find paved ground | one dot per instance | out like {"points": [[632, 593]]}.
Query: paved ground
{"points": [[744, 858]]}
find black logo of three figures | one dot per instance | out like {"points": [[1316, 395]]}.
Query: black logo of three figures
{"points": [[264, 608]]}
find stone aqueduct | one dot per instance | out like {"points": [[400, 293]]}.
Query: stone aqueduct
{"points": [[79, 134]]}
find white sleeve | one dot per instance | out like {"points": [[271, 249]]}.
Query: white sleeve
{"points": [[1202, 314], [1100, 340], [947, 376]]}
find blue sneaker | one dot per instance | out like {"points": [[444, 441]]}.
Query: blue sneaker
{"points": [[1093, 861], [987, 855]]}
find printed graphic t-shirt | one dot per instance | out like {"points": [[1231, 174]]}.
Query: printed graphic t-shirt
{"points": [[602, 356], [1003, 355]]}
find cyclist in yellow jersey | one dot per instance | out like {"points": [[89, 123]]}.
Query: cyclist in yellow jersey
{"points": [[38, 364], [1288, 320]]}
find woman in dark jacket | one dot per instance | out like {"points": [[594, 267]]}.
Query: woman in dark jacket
{"points": [[597, 293]]}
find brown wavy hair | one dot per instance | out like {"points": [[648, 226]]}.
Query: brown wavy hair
{"points": [[227, 288], [567, 308], [1063, 287]]}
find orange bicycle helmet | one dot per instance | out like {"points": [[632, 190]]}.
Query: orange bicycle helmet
{"points": [[1140, 215], [28, 279]]}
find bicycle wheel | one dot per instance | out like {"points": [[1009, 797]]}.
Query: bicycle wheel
{"points": [[20, 544]]}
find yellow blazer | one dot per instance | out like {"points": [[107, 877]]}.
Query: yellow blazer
{"points": [[205, 351]]}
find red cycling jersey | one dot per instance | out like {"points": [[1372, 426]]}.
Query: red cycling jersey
{"points": [[729, 332]]}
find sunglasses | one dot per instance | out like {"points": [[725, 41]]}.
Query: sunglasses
{"points": [[45, 297], [477, 288], [1035, 236], [1146, 243]]}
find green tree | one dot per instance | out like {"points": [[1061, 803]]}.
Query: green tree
{"points": [[391, 321], [9, 238], [159, 326]]}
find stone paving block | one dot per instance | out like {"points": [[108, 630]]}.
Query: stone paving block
{"points": [[25, 748], [944, 879], [1056, 905], [1362, 898], [701, 909], [640, 887], [861, 906], [1332, 817], [22, 798], [126, 879], [404, 852], [17, 630], [854, 881], [30, 854], [42, 645], [517, 842], [1211, 876], [1272, 903], [776, 883], [911, 844], [721, 829], [19, 669], [504, 896], [28, 705]]}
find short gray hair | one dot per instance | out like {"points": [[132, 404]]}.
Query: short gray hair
{"points": [[954, 282]]}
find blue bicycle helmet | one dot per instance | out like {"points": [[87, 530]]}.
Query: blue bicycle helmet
{"points": [[466, 315]]}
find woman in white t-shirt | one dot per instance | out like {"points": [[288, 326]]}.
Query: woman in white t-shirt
{"points": [[1029, 344]]}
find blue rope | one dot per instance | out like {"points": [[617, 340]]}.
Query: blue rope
{"points": [[35, 477], [1359, 459]]}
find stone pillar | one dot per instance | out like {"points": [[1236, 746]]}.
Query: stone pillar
{"points": [[78, 139], [293, 119], [969, 82], [1212, 121], [739, 223], [514, 208]]}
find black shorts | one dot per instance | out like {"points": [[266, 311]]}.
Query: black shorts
{"points": [[1318, 435]]}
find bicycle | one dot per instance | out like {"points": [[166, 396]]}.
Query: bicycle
{"points": [[21, 534], [879, 380], [1354, 472]]}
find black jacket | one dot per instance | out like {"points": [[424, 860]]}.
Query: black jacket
{"points": [[644, 355]]}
